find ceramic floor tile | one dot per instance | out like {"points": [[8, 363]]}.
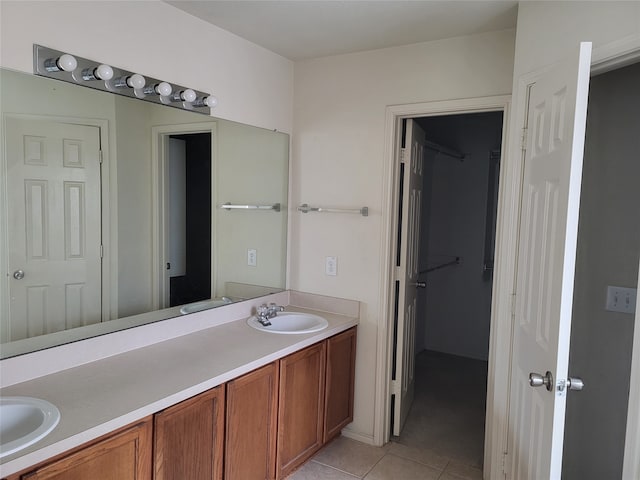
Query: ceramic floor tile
{"points": [[460, 471], [397, 468], [418, 454], [316, 471], [350, 456]]}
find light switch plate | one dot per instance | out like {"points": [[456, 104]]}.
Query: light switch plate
{"points": [[252, 257], [331, 266], [621, 299]]}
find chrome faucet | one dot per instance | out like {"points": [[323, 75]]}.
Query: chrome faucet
{"points": [[266, 312]]}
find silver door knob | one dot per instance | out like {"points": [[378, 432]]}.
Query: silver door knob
{"points": [[18, 274], [537, 380], [575, 383], [419, 284]]}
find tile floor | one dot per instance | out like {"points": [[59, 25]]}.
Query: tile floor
{"points": [[442, 439]]}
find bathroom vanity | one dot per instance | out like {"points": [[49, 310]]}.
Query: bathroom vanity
{"points": [[228, 401]]}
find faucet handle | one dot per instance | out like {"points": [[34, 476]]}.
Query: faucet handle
{"points": [[262, 309], [276, 308]]}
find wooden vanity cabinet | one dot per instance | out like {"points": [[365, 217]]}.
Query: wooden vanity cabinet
{"points": [[300, 407], [252, 414], [188, 438], [124, 455], [339, 383]]}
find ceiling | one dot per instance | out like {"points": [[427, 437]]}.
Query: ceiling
{"points": [[303, 29]]}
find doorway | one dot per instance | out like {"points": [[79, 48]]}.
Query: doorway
{"points": [[183, 173], [189, 234], [607, 254], [461, 164]]}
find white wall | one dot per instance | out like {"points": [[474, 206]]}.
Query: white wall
{"points": [[253, 85], [338, 160]]}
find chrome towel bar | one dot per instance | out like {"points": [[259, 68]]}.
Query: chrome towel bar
{"points": [[229, 206], [304, 208]]}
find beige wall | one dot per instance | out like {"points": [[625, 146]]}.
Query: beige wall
{"points": [[252, 84], [338, 160]]}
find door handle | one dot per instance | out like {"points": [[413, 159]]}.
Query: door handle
{"points": [[537, 380], [419, 284], [18, 274], [572, 383]]}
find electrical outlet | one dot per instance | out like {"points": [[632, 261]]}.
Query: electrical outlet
{"points": [[331, 266], [252, 257], [621, 299]]}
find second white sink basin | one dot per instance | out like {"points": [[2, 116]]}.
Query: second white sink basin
{"points": [[291, 323], [24, 421]]}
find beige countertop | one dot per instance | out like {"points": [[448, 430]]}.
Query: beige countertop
{"points": [[98, 397]]}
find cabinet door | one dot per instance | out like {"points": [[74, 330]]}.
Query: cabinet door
{"points": [[300, 408], [252, 409], [188, 438], [123, 456], [341, 365]]}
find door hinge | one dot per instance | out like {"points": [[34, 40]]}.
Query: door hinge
{"points": [[523, 138], [505, 464], [100, 157], [397, 274], [101, 251], [403, 155], [395, 388]]}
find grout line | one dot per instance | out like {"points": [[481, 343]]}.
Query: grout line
{"points": [[334, 468], [374, 465]]}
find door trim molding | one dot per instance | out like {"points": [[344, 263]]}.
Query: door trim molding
{"points": [[504, 274], [158, 222], [631, 463]]}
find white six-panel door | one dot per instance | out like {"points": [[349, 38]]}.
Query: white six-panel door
{"points": [[407, 272], [54, 220], [546, 266]]}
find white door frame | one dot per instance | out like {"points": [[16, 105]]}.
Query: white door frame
{"points": [[109, 221], [504, 273], [159, 150]]}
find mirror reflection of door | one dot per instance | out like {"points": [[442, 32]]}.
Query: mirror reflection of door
{"points": [[189, 218], [54, 226]]}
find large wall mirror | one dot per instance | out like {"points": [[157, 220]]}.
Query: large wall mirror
{"points": [[112, 212]]}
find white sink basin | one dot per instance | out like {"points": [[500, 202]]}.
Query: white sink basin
{"points": [[291, 323], [24, 421]]}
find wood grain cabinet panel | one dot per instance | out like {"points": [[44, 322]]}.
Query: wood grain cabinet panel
{"points": [[300, 407], [252, 411], [188, 438], [340, 375], [123, 456]]}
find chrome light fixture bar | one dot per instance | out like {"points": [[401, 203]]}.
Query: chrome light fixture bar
{"points": [[51, 63]]}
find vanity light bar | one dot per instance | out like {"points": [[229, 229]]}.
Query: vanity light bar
{"points": [[51, 63]]}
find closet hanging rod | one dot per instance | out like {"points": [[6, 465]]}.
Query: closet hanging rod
{"points": [[444, 150], [442, 265], [304, 208], [230, 206]]}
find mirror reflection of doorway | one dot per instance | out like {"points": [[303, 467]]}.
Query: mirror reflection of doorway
{"points": [[189, 218]]}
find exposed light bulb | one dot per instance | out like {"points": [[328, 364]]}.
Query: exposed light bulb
{"points": [[65, 62], [136, 81], [210, 101], [104, 72], [101, 72], [163, 89], [188, 95]]}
